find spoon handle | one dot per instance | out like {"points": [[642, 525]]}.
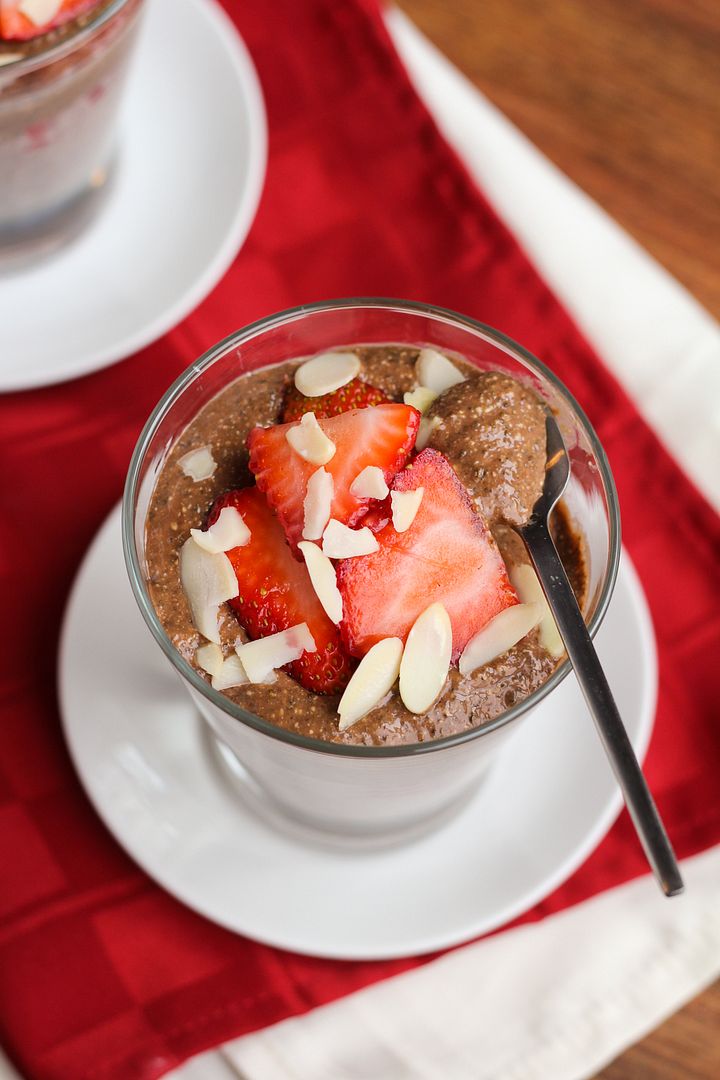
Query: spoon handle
{"points": [[601, 704]]}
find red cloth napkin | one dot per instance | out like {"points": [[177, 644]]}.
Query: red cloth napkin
{"points": [[103, 976]]}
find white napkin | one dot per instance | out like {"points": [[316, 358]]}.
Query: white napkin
{"points": [[560, 998]]}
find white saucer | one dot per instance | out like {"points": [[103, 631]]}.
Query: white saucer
{"points": [[154, 777], [190, 174]]}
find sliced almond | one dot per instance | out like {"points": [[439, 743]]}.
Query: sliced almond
{"points": [[198, 464], [324, 580], [317, 504], [209, 657], [310, 441], [340, 542], [40, 12], [425, 429], [207, 581], [527, 586], [436, 372], [421, 398], [370, 484], [426, 659], [260, 658], [228, 532], [405, 505], [231, 673], [373, 679], [326, 372], [499, 635]]}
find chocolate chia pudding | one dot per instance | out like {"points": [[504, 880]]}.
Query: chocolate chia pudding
{"points": [[489, 427], [59, 94]]}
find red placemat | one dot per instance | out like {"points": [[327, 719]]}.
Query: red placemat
{"points": [[103, 976]]}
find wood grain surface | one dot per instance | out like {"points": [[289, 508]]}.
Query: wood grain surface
{"points": [[623, 95]]}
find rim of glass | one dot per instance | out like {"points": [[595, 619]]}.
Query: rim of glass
{"points": [[239, 337], [66, 45]]}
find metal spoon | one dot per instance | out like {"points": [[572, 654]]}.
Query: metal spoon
{"points": [[536, 535]]}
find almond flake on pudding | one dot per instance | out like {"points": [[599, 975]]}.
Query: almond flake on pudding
{"points": [[436, 372], [317, 504], [499, 635], [428, 424], [198, 464], [228, 532], [370, 484], [426, 660], [323, 579], [231, 673], [525, 582], [260, 658], [310, 441], [341, 542], [421, 398], [40, 12], [372, 680], [209, 657], [326, 372], [207, 581], [405, 505]]}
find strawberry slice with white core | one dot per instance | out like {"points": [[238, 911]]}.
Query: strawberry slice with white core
{"points": [[381, 435], [21, 20], [446, 556]]}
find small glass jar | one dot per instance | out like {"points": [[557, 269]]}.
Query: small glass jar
{"points": [[59, 97], [357, 793]]}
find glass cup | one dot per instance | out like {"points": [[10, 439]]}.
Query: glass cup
{"points": [[366, 794], [58, 108]]}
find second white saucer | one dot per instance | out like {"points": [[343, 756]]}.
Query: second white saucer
{"points": [[190, 174], [149, 767]]}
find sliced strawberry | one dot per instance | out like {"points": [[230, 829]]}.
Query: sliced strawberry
{"points": [[382, 435], [276, 593], [448, 555], [17, 26], [354, 395]]}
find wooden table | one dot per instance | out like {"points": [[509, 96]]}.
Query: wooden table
{"points": [[623, 95]]}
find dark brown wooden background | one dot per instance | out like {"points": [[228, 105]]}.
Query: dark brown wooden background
{"points": [[623, 95]]}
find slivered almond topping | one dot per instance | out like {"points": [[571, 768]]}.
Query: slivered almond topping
{"points": [[198, 464], [210, 658], [425, 430], [405, 505], [326, 372], [370, 484], [525, 582], [499, 635], [340, 542], [40, 12], [373, 679], [317, 504], [228, 532], [310, 441], [421, 398], [426, 659], [231, 673], [207, 581], [436, 372], [324, 581], [261, 658]]}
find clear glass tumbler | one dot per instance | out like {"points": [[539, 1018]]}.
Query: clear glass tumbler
{"points": [[365, 794], [58, 109]]}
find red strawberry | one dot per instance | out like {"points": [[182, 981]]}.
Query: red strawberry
{"points": [[354, 395], [14, 25], [276, 593], [382, 435], [447, 555]]}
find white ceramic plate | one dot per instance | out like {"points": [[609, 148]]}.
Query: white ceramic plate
{"points": [[151, 771], [193, 153]]}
